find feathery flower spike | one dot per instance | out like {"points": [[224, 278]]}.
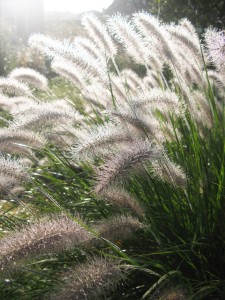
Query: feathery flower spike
{"points": [[215, 45], [99, 34], [91, 280], [48, 235], [118, 166], [30, 76], [11, 86]]}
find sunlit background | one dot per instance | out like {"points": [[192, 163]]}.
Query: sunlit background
{"points": [[76, 6], [29, 16], [59, 19]]}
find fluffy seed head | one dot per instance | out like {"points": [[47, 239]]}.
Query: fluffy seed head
{"points": [[31, 77], [118, 228], [89, 46], [125, 33], [131, 79], [11, 173], [42, 42], [154, 34], [73, 73], [118, 166], [142, 123], [48, 235], [99, 34], [7, 182], [100, 140], [172, 294], [216, 78], [12, 167], [9, 103], [187, 42], [56, 49], [122, 199], [170, 172], [4, 102], [11, 86], [215, 46], [152, 79], [156, 99], [185, 23], [20, 138], [149, 26], [42, 115], [91, 280]]}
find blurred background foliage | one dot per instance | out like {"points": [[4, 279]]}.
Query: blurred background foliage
{"points": [[201, 13]]}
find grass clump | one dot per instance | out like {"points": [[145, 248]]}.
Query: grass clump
{"points": [[141, 161]]}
